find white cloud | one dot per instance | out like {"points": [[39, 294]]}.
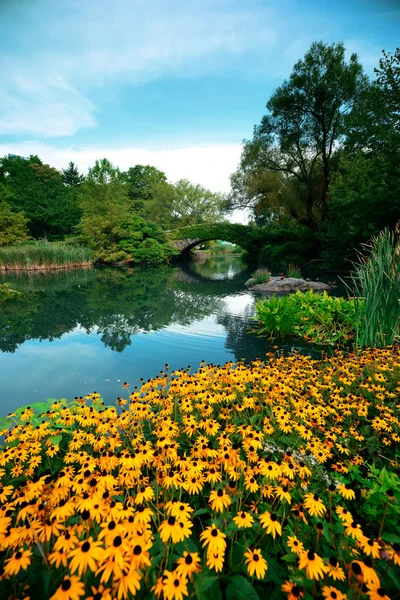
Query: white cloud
{"points": [[209, 165], [47, 108]]}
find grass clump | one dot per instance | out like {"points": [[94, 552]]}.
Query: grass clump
{"points": [[43, 255], [262, 275], [376, 287], [233, 482], [317, 318], [293, 271]]}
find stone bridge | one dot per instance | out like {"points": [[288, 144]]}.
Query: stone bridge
{"points": [[185, 239]]}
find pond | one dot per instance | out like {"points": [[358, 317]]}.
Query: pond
{"points": [[80, 331]]}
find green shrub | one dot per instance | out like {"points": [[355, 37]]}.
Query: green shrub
{"points": [[318, 318], [376, 287]]}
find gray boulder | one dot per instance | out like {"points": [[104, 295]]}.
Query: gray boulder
{"points": [[289, 285]]}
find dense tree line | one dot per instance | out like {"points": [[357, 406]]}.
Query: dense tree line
{"points": [[322, 170], [325, 158], [119, 214]]}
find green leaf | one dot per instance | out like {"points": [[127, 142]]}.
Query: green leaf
{"points": [[241, 587]]}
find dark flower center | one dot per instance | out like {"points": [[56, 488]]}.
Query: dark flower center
{"points": [[85, 547], [214, 533], [171, 521], [117, 541], [66, 584], [176, 582], [137, 550], [188, 559], [256, 557], [18, 555], [310, 555]]}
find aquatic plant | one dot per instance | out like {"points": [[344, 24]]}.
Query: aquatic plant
{"points": [[277, 479], [376, 287], [43, 255], [262, 275], [318, 318]]}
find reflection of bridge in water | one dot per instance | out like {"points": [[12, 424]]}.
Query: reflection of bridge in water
{"points": [[209, 285]]}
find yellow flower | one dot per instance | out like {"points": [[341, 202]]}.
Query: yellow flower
{"points": [[330, 592], [70, 589], [243, 519], [174, 586], [313, 564], [215, 559], [271, 524], [213, 538], [345, 491], [334, 570], [314, 505], [256, 563], [86, 556], [295, 545], [19, 560], [188, 564], [219, 500]]}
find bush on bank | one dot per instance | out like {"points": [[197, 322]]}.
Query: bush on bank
{"points": [[277, 479]]}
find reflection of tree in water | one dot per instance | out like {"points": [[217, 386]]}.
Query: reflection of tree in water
{"points": [[249, 346], [114, 303]]}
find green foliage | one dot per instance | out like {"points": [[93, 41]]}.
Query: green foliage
{"points": [[297, 137], [144, 242], [246, 236], [105, 207], [71, 176], [7, 291], [43, 254], [142, 183], [293, 271], [38, 190], [13, 225], [376, 285], [287, 245], [318, 318]]}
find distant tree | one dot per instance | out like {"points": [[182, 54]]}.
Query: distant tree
{"points": [[306, 120], [105, 206], [13, 225], [142, 180], [195, 204], [71, 176], [39, 192]]}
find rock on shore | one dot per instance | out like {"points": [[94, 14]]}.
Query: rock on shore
{"points": [[286, 285]]}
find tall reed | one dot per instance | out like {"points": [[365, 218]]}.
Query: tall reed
{"points": [[376, 287], [43, 255]]}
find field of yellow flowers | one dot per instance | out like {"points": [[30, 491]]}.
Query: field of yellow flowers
{"points": [[277, 479]]}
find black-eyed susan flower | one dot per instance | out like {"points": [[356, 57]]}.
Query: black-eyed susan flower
{"points": [[295, 545], [370, 547], [346, 491], [394, 553], [314, 505], [219, 500], [376, 592], [334, 569], [329, 592], [243, 519], [174, 585], [213, 538], [256, 563], [292, 589], [70, 589], [188, 564], [19, 560], [313, 564], [270, 523], [215, 559], [85, 556]]}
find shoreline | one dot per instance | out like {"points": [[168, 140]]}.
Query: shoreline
{"points": [[54, 267]]}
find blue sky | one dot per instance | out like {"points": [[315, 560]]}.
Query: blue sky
{"points": [[173, 83]]}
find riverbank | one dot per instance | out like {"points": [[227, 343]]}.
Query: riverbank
{"points": [[44, 256]]}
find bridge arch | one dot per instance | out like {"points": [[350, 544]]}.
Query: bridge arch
{"points": [[185, 238]]}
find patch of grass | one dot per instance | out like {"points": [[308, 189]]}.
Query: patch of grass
{"points": [[260, 276], [44, 255], [293, 271]]}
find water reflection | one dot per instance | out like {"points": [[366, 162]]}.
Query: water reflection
{"points": [[74, 332]]}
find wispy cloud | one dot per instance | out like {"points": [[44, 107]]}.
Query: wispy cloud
{"points": [[89, 47]]}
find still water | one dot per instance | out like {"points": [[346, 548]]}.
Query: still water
{"points": [[75, 332]]}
